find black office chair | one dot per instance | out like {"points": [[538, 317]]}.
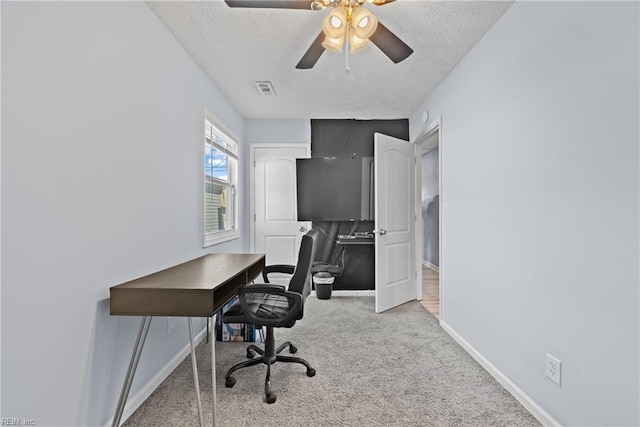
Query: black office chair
{"points": [[272, 306]]}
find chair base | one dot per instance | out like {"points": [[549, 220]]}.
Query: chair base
{"points": [[269, 355]]}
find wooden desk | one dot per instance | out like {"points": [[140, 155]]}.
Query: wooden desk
{"points": [[197, 288]]}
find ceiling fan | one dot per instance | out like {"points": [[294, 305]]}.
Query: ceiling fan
{"points": [[347, 23]]}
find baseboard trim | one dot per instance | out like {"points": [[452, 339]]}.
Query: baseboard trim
{"points": [[135, 401], [431, 266], [530, 405], [348, 293]]}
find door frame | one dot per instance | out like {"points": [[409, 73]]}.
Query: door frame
{"points": [[252, 173], [433, 127]]}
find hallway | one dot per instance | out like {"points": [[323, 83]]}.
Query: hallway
{"points": [[431, 291]]}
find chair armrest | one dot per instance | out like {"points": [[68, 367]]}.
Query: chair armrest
{"points": [[277, 268], [294, 299]]}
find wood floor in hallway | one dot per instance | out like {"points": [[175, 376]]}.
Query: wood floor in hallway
{"points": [[431, 291]]}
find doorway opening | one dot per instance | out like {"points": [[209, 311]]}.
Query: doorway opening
{"points": [[274, 228], [431, 290], [429, 232]]}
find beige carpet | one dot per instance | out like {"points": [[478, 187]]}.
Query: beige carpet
{"points": [[398, 368]]}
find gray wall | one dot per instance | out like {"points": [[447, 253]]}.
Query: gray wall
{"points": [[540, 162], [430, 207], [101, 153]]}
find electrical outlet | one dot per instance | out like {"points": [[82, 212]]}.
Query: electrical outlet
{"points": [[554, 369], [171, 325]]}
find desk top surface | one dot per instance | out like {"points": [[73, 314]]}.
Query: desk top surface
{"points": [[204, 273], [194, 288]]}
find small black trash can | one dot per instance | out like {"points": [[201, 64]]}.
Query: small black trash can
{"points": [[323, 282]]}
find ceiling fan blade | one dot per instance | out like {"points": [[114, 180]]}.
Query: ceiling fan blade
{"points": [[390, 44], [312, 54], [273, 4]]}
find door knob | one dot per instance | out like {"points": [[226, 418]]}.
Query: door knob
{"points": [[381, 232], [303, 229]]}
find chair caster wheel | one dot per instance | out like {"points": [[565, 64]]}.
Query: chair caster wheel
{"points": [[271, 398], [250, 354], [292, 348], [230, 382], [311, 372]]}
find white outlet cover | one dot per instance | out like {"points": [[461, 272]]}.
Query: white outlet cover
{"points": [[553, 369]]}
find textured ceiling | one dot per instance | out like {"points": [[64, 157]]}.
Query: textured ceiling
{"points": [[237, 46]]}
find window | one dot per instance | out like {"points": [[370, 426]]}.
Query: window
{"points": [[220, 184]]}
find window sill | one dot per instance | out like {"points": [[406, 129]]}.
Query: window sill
{"points": [[217, 238]]}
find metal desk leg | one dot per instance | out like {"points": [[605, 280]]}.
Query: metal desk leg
{"points": [[133, 364], [195, 371], [213, 363]]}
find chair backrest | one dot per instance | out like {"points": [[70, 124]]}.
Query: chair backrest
{"points": [[301, 280]]}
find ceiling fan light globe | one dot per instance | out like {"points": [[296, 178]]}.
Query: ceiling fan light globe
{"points": [[364, 23], [335, 23], [356, 44], [333, 44]]}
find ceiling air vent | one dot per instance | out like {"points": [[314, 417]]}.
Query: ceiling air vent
{"points": [[265, 87]]}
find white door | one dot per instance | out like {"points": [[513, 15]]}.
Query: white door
{"points": [[395, 270], [276, 231]]}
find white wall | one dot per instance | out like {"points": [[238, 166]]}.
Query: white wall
{"points": [[101, 154], [277, 131], [0, 217], [540, 162]]}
